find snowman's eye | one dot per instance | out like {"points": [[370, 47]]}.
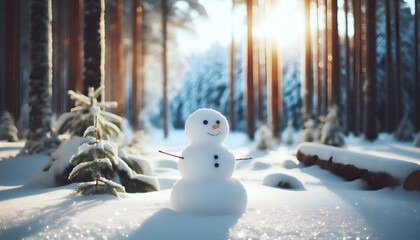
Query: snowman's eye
{"points": [[205, 122], [218, 122]]}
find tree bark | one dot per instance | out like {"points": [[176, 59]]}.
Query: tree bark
{"points": [[307, 67], [250, 118], [40, 72], [164, 68], [74, 49], [93, 45], [349, 92], [326, 66], [370, 85], [58, 41], [357, 96], [397, 105], [137, 71], [389, 123], [232, 78], [317, 70], [334, 59], [416, 70], [12, 86], [118, 59], [274, 75]]}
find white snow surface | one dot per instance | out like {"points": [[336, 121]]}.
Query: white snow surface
{"points": [[399, 169], [328, 208]]}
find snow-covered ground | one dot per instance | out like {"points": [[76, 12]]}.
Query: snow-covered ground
{"points": [[322, 206]]}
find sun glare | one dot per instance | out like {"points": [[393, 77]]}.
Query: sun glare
{"points": [[283, 23]]}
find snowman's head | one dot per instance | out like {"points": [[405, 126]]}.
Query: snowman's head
{"points": [[206, 126]]}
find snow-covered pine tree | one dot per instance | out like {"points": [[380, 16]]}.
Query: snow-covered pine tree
{"points": [[265, 139], [405, 129], [8, 130], [417, 141], [92, 157], [308, 133], [289, 133], [332, 133], [82, 116]]}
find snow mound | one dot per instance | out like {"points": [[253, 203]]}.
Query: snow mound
{"points": [[283, 181], [289, 164], [257, 165]]}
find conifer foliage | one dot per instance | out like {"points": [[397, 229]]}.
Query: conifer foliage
{"points": [[8, 130], [332, 132], [82, 116], [93, 157], [404, 131]]}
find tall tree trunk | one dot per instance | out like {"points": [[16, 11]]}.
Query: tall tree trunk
{"points": [[58, 41], [317, 70], [416, 69], [93, 45], [137, 71], [397, 63], [334, 59], [118, 59], [74, 49], [274, 80], [232, 76], [165, 68], [326, 66], [389, 123], [250, 118], [370, 85], [257, 64], [349, 91], [357, 95], [12, 92], [307, 67], [40, 74]]}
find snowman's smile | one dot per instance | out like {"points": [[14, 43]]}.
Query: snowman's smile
{"points": [[214, 135]]}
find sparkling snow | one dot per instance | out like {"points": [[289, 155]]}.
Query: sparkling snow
{"points": [[328, 208]]}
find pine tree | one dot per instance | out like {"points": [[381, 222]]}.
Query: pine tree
{"points": [[93, 157], [417, 141], [265, 139], [308, 133], [8, 130], [405, 129], [82, 116], [289, 133], [332, 133]]}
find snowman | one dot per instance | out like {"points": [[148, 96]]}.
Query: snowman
{"points": [[206, 166]]}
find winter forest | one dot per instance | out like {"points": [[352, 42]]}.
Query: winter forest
{"points": [[209, 119]]}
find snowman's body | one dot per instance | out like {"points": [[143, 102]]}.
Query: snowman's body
{"points": [[207, 166]]}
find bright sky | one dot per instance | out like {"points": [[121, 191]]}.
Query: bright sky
{"points": [[208, 31], [217, 29]]}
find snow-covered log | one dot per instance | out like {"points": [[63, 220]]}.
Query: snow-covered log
{"points": [[378, 172]]}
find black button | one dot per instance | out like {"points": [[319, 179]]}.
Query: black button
{"points": [[216, 157], [216, 165]]}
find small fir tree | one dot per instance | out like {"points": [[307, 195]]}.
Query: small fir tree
{"points": [[92, 157], [289, 133], [265, 139], [417, 141], [332, 133], [82, 116], [405, 129], [308, 133], [8, 130]]}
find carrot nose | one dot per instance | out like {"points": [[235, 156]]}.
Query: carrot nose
{"points": [[216, 126]]}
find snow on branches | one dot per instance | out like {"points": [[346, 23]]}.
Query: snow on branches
{"points": [[82, 116], [8, 130], [92, 157]]}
